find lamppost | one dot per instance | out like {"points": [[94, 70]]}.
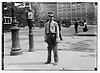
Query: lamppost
{"points": [[16, 48], [30, 15], [30, 24]]}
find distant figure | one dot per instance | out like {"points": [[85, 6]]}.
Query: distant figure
{"points": [[60, 31], [85, 26], [76, 26]]}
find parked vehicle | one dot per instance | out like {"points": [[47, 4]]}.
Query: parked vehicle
{"points": [[41, 23], [66, 23]]}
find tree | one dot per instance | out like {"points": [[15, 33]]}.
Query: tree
{"points": [[19, 13]]}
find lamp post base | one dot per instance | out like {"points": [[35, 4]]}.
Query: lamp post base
{"points": [[31, 50], [15, 52], [31, 43], [16, 49]]}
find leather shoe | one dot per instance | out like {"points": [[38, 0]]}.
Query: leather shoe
{"points": [[56, 63], [47, 62]]}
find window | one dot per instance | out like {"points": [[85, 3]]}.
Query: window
{"points": [[69, 16], [64, 3], [59, 7], [27, 4], [73, 5], [83, 5], [64, 13], [69, 6], [73, 12], [78, 18], [83, 8], [69, 19], [7, 20], [83, 11], [64, 10], [78, 12], [73, 9], [64, 6], [78, 15], [68, 13], [73, 15], [68, 9], [83, 15], [59, 14], [4, 20], [59, 3], [83, 18], [68, 2], [59, 10], [78, 8], [73, 19]]}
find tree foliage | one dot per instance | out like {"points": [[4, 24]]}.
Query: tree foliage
{"points": [[19, 13]]}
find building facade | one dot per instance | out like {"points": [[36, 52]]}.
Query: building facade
{"points": [[74, 10]]}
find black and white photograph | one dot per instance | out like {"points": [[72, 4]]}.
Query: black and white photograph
{"points": [[49, 36]]}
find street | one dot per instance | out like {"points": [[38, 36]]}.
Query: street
{"points": [[75, 52], [66, 31]]}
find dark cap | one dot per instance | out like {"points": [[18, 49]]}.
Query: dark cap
{"points": [[51, 14]]}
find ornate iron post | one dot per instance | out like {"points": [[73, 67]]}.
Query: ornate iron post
{"points": [[30, 24], [16, 48]]}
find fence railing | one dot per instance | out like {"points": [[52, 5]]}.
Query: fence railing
{"points": [[7, 20]]}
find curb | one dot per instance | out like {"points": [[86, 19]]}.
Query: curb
{"points": [[85, 35]]}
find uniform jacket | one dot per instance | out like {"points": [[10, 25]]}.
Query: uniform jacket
{"points": [[53, 28]]}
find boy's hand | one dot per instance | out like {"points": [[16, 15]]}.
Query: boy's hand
{"points": [[57, 39]]}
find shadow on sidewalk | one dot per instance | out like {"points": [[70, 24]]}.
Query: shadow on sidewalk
{"points": [[30, 63]]}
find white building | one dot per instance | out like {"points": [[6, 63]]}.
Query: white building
{"points": [[74, 10]]}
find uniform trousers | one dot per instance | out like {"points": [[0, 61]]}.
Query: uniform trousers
{"points": [[60, 35], [52, 45]]}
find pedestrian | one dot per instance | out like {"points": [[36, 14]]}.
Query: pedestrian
{"points": [[51, 38], [85, 26], [76, 26], [59, 24]]}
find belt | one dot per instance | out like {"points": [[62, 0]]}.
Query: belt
{"points": [[50, 33]]}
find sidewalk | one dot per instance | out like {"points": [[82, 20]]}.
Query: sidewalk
{"points": [[31, 61], [92, 32], [75, 53]]}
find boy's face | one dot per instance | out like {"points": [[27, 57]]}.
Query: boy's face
{"points": [[50, 18]]}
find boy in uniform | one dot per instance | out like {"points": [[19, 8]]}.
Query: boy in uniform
{"points": [[51, 38]]}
